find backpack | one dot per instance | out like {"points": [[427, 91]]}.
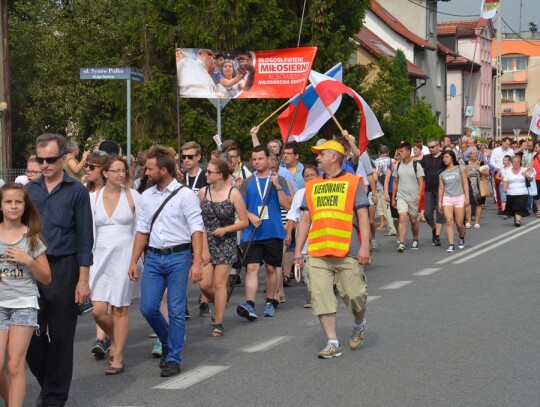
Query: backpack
{"points": [[415, 164]]}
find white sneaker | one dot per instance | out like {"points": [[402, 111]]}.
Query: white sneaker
{"points": [[477, 226], [374, 244], [468, 225]]}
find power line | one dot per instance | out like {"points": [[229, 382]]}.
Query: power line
{"points": [[446, 14], [518, 35]]}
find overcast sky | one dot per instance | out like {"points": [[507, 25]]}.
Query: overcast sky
{"points": [[510, 12]]}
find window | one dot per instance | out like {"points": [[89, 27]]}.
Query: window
{"points": [[514, 63], [513, 95]]}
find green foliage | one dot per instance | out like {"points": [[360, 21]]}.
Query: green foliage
{"points": [[51, 40], [389, 95]]}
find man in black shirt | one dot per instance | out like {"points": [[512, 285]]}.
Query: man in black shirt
{"points": [[433, 165], [64, 206]]}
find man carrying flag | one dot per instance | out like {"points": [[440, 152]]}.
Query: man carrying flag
{"points": [[336, 218]]}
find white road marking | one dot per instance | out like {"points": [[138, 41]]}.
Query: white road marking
{"points": [[192, 377], [487, 249], [372, 297], [426, 272], [267, 344], [487, 242], [395, 285]]}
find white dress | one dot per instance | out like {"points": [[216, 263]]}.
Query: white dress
{"points": [[113, 243]]}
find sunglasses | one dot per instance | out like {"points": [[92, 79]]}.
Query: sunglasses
{"points": [[432, 146], [91, 167], [188, 156], [48, 160]]}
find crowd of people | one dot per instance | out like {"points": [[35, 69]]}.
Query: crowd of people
{"points": [[96, 234]]}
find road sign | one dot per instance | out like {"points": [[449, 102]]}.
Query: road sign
{"points": [[112, 73]]}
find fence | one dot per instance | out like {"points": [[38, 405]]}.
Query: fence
{"points": [[9, 174]]}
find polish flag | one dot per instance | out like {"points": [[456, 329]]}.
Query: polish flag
{"points": [[330, 89]]}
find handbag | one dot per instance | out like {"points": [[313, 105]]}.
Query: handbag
{"points": [[239, 252], [528, 174], [483, 187]]}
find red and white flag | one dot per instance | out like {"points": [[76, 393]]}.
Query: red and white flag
{"points": [[489, 8], [535, 122], [329, 89]]}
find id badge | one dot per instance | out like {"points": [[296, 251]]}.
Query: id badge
{"points": [[264, 214]]}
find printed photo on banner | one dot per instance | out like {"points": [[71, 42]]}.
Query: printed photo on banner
{"points": [[213, 74]]}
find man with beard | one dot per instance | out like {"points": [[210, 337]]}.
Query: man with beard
{"points": [[170, 235]]}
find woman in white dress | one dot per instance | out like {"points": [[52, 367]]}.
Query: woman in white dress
{"points": [[114, 221]]}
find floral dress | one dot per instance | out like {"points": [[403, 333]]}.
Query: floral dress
{"points": [[217, 215]]}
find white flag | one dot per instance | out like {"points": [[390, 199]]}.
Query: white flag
{"points": [[535, 122], [489, 8]]}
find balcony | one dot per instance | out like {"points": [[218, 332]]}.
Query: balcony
{"points": [[514, 78], [513, 108]]}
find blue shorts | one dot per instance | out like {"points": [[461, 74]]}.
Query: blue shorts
{"points": [[17, 316]]}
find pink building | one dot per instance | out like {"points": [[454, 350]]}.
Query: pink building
{"points": [[470, 76]]}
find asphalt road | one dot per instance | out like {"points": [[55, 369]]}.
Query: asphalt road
{"points": [[443, 329]]}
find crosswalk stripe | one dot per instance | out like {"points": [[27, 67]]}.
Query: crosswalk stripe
{"points": [[395, 285], [426, 272], [266, 344], [192, 377]]}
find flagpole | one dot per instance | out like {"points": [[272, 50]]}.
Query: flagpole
{"points": [[334, 118], [274, 112]]}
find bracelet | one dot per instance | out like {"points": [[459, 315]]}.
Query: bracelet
{"points": [[297, 258], [279, 189], [440, 203]]}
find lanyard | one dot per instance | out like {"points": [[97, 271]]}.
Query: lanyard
{"points": [[196, 179], [262, 194]]}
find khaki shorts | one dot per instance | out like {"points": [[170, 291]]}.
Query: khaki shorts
{"points": [[411, 207], [350, 280]]}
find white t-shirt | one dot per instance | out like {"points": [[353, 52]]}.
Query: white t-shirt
{"points": [[516, 183]]}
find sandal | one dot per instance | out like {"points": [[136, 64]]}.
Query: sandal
{"points": [[217, 332], [286, 280], [111, 371], [538, 214]]}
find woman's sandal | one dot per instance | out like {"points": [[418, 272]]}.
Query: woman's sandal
{"points": [[111, 359], [286, 280], [538, 214], [111, 371], [217, 332]]}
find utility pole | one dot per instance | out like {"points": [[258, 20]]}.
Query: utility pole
{"points": [[498, 89], [5, 96]]}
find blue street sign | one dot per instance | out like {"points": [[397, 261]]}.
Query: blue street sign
{"points": [[106, 73]]}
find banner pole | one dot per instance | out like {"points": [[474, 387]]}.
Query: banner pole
{"points": [[334, 118], [177, 103]]}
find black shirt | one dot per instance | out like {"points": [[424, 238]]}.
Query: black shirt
{"points": [[432, 166], [66, 218]]}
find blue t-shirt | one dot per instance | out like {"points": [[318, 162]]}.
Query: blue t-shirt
{"points": [[253, 195]]}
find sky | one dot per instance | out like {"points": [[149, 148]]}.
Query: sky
{"points": [[510, 12]]}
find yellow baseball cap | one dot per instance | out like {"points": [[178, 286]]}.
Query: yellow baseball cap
{"points": [[329, 145]]}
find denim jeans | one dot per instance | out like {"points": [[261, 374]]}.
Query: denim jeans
{"points": [[169, 271]]}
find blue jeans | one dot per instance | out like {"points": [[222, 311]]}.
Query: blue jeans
{"points": [[169, 271]]}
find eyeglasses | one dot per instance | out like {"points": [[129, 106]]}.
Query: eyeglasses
{"points": [[48, 160], [188, 156], [91, 167], [119, 171], [213, 172], [430, 147], [30, 172]]}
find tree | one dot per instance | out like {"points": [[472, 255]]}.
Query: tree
{"points": [[533, 27], [51, 40]]}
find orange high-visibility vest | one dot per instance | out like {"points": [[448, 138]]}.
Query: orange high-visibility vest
{"points": [[331, 206]]}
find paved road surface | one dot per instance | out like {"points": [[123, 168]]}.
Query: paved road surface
{"points": [[443, 329]]}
